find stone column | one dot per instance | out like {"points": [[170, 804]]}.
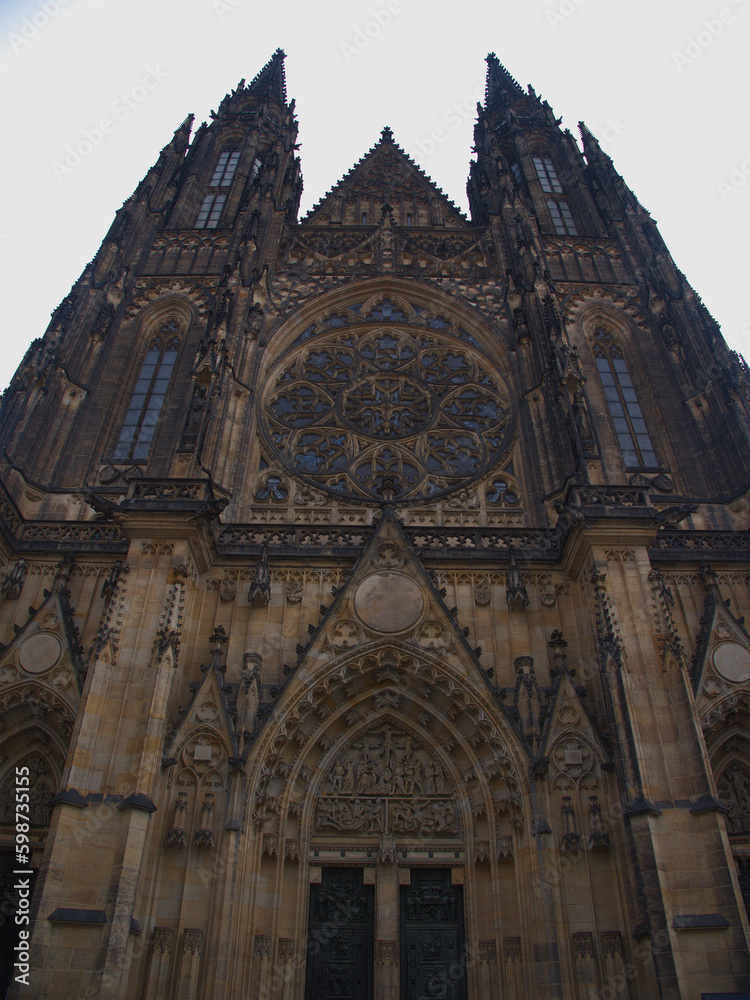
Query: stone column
{"points": [[389, 878], [158, 972]]}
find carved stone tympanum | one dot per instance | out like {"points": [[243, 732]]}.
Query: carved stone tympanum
{"points": [[386, 782]]}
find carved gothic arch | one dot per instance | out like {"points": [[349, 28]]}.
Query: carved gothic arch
{"points": [[412, 293], [420, 691]]}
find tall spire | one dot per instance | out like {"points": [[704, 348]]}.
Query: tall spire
{"points": [[499, 81], [271, 80]]}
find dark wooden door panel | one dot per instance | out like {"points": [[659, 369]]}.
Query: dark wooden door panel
{"points": [[340, 939], [433, 964]]}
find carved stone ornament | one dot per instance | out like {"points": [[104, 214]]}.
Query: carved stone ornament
{"points": [[431, 635], [345, 634], [108, 474], [482, 593], [294, 591], [227, 589], [386, 783], [734, 792], [388, 556], [388, 602], [356, 408]]}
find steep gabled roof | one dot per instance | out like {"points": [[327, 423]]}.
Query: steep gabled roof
{"points": [[387, 171]]}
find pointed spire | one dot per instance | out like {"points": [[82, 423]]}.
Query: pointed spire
{"points": [[499, 82], [591, 147], [271, 80], [181, 136]]}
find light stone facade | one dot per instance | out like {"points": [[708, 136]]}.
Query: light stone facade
{"points": [[374, 587]]}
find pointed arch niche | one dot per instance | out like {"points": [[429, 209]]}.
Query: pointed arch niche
{"points": [[388, 759]]}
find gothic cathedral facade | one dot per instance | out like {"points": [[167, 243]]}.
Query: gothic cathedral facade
{"points": [[374, 586]]}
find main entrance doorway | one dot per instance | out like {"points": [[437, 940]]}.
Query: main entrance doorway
{"points": [[433, 954], [340, 940]]}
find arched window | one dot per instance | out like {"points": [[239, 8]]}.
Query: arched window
{"points": [[559, 210], [630, 427], [224, 171], [225, 168], [148, 398]]}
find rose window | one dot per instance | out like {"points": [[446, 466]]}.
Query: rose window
{"points": [[385, 411]]}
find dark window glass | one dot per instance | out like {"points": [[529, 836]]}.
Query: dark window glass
{"points": [[627, 416], [142, 416]]}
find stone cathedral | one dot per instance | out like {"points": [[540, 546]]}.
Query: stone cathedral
{"points": [[373, 586]]}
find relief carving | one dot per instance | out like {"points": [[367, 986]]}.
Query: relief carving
{"points": [[384, 783], [734, 792]]}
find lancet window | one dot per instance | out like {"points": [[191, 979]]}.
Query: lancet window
{"points": [[147, 400], [619, 391], [559, 209]]}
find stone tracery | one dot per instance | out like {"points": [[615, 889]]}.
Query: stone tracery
{"points": [[356, 411]]}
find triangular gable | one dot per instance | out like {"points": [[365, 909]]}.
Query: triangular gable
{"points": [[721, 663], [388, 595], [46, 651], [570, 731], [208, 713], [41, 679], [385, 175]]}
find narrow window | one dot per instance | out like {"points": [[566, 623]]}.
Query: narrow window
{"points": [[408, 218], [225, 169], [255, 168], [559, 209], [627, 416], [545, 171], [562, 219], [364, 218], [148, 398], [210, 211]]}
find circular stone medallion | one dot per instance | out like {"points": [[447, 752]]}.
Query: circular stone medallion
{"points": [[40, 652], [732, 661], [388, 602]]}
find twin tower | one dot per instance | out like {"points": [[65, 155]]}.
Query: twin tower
{"points": [[373, 589]]}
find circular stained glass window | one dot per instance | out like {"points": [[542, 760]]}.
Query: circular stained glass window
{"points": [[385, 411]]}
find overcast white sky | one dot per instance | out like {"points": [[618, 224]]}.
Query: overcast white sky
{"points": [[665, 81]]}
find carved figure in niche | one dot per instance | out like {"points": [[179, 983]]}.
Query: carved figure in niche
{"points": [[734, 792], [463, 500], [198, 406], [342, 775], [260, 589], [515, 597]]}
